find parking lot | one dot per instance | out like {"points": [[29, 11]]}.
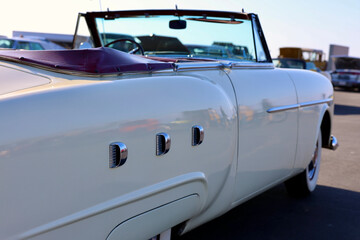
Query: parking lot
{"points": [[331, 212]]}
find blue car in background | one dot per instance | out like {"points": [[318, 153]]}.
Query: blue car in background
{"points": [[27, 44]]}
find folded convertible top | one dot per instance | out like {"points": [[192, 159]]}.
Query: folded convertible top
{"points": [[92, 61]]}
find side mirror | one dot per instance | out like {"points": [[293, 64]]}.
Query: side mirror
{"points": [[177, 24]]}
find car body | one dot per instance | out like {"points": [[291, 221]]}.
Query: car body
{"points": [[347, 72], [27, 44], [102, 144]]}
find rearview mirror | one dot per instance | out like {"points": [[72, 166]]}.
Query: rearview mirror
{"points": [[177, 24]]}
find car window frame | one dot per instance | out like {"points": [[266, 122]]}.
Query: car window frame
{"points": [[259, 35], [256, 28]]}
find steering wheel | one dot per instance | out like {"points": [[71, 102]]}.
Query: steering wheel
{"points": [[132, 51]]}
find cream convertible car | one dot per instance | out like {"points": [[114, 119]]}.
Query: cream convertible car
{"points": [[104, 144]]}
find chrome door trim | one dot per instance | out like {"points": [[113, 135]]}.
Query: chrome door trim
{"points": [[311, 103], [283, 108], [300, 105]]}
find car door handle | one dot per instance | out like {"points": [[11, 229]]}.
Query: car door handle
{"points": [[118, 154], [197, 135], [163, 143]]}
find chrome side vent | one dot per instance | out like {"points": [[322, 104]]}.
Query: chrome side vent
{"points": [[197, 135], [163, 143], [118, 153]]}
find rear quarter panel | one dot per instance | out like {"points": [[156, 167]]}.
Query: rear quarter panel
{"points": [[310, 87], [55, 179]]}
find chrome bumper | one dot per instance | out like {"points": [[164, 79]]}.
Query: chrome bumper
{"points": [[333, 144]]}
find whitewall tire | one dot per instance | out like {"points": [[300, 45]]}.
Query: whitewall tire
{"points": [[304, 183]]}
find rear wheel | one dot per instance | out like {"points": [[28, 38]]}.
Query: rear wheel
{"points": [[163, 236], [304, 183]]}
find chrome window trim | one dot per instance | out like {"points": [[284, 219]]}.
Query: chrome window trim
{"points": [[196, 66], [219, 65], [300, 105], [239, 65], [257, 29]]}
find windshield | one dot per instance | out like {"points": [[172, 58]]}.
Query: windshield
{"points": [[6, 43], [193, 36]]}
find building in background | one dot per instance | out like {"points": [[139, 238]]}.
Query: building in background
{"points": [[336, 50]]}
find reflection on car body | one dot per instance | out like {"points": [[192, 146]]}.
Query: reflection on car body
{"points": [[114, 143]]}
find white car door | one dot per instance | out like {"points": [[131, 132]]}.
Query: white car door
{"points": [[267, 137]]}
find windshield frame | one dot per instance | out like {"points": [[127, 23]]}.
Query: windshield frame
{"points": [[90, 18]]}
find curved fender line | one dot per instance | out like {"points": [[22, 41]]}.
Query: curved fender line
{"points": [[116, 202]]}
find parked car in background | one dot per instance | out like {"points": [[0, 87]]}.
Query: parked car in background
{"points": [[299, 64], [347, 73], [27, 44], [290, 63], [212, 51], [236, 51], [150, 141]]}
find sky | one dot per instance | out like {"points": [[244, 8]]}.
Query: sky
{"points": [[307, 23]]}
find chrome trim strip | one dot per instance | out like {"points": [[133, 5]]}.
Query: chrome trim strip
{"points": [[283, 108], [196, 66], [143, 193], [334, 144], [217, 65], [252, 65], [311, 103], [300, 105]]}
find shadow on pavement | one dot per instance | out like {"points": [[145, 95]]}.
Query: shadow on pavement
{"points": [[338, 89], [329, 213], [346, 110]]}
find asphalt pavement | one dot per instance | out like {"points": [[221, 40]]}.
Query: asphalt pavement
{"points": [[331, 212]]}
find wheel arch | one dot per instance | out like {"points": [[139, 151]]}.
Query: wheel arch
{"points": [[326, 129]]}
